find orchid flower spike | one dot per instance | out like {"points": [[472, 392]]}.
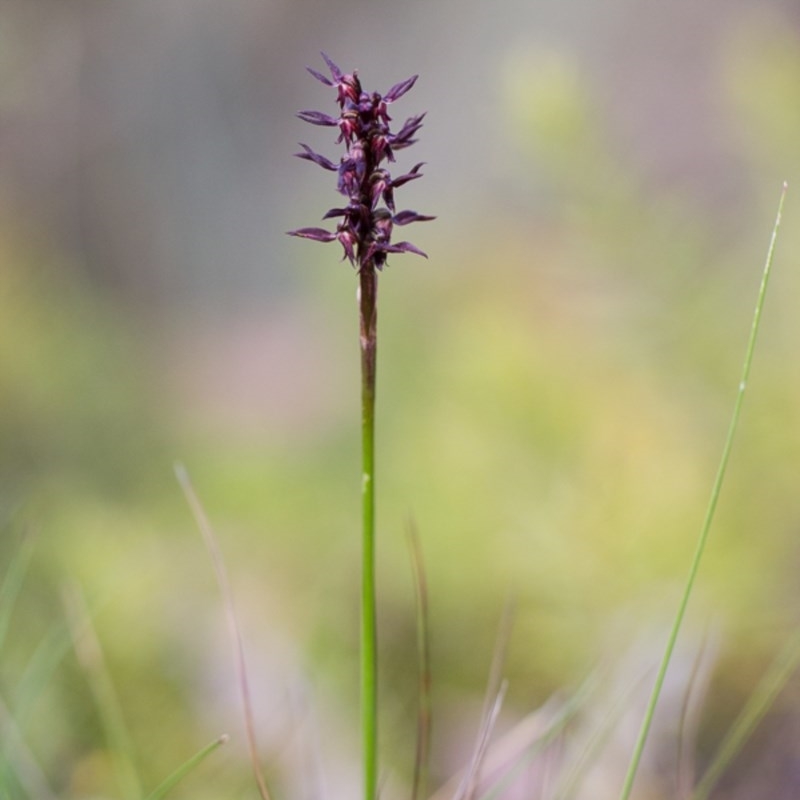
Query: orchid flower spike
{"points": [[367, 220]]}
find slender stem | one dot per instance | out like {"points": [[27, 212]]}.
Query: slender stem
{"points": [[367, 301], [234, 629], [712, 505], [422, 755]]}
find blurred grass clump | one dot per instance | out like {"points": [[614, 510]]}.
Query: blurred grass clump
{"points": [[553, 395]]}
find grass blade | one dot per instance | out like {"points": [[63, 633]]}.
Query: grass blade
{"points": [[91, 658], [495, 693], [712, 506], [424, 716], [41, 666], [689, 720], [12, 584], [570, 782], [470, 783], [184, 769], [527, 740], [21, 761], [203, 523]]}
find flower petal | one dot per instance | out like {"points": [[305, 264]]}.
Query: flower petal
{"points": [[405, 217], [335, 71], [404, 247], [317, 234], [335, 212], [399, 89], [320, 77], [409, 176], [317, 118], [348, 240], [403, 138], [310, 155]]}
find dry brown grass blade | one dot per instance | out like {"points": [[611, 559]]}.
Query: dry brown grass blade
{"points": [[484, 737], [495, 693], [505, 752], [424, 718], [204, 525]]}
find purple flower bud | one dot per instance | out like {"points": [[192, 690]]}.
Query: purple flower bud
{"points": [[382, 225], [359, 158], [349, 88], [380, 185], [365, 229], [348, 241], [348, 125], [348, 183]]}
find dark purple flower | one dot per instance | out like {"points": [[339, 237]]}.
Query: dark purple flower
{"points": [[365, 228]]}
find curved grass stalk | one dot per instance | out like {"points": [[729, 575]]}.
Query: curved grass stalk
{"points": [[709, 516]]}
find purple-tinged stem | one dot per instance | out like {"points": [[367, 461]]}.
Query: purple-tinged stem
{"points": [[368, 315]]}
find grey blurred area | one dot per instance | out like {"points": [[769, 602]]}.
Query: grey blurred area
{"points": [[151, 140]]}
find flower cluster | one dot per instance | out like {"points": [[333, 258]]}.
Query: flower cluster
{"points": [[366, 224]]}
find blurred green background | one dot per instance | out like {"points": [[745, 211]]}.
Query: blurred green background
{"points": [[555, 383]]}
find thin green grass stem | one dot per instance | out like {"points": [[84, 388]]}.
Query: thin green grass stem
{"points": [[425, 710], [368, 291], [709, 516], [369, 683]]}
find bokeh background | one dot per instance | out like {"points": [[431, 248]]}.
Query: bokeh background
{"points": [[555, 385]]}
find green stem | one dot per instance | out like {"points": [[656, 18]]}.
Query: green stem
{"points": [[368, 295], [712, 505]]}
